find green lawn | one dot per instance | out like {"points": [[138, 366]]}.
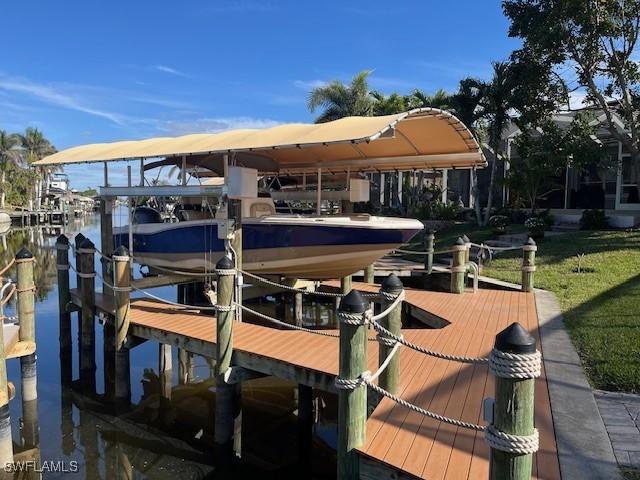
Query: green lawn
{"points": [[601, 305]]}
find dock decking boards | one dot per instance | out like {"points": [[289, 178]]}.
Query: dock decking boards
{"points": [[397, 438]]}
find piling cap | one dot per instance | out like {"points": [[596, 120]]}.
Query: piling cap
{"points": [[23, 253], [62, 240], [531, 241], [86, 243], [353, 302], [225, 263], [466, 239], [515, 339], [121, 251], [460, 241], [392, 284], [79, 238]]}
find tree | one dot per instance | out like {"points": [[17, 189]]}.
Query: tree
{"points": [[34, 147], [8, 156], [495, 102], [338, 100], [420, 99], [593, 44], [388, 105], [546, 151], [465, 104]]}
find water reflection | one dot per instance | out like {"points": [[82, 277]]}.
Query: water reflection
{"points": [[168, 432]]}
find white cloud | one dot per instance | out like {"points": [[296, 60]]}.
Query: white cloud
{"points": [[309, 84], [53, 95], [213, 125], [170, 70]]}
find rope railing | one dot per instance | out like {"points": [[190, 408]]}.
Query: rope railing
{"points": [[6, 268], [285, 324]]}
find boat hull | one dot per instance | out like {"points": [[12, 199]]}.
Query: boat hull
{"points": [[310, 248]]}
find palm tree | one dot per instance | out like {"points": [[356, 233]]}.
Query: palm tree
{"points": [[338, 100], [34, 147], [420, 99], [466, 105], [8, 156], [495, 104], [383, 105]]}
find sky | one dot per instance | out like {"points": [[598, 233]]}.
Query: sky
{"points": [[97, 71]]}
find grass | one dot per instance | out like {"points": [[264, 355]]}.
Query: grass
{"points": [[601, 305]]}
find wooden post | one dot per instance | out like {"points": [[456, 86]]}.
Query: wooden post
{"points": [[228, 415], [513, 408], [185, 367], [467, 253], [26, 317], [429, 238], [458, 267], [297, 307], [369, 274], [79, 238], [528, 264], [235, 213], [390, 378], [345, 287], [352, 403], [106, 240], [87, 333], [165, 369], [6, 441], [64, 300], [122, 292]]}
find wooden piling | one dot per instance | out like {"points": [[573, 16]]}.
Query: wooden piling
{"points": [[185, 367], [429, 238], [228, 415], [528, 264], [6, 441], [390, 378], [165, 368], [458, 266], [106, 241], [64, 301], [514, 407], [122, 292], [369, 274], [87, 334], [352, 403], [297, 308], [305, 424], [78, 239]]}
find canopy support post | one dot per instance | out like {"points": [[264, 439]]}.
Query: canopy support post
{"points": [[319, 193], [184, 170]]}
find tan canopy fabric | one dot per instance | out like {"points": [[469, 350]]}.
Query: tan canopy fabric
{"points": [[422, 139]]}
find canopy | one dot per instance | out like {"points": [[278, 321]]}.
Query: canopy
{"points": [[419, 139]]}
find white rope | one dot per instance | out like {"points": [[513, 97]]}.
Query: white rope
{"points": [[426, 252], [289, 288], [506, 442], [385, 364], [483, 246], [400, 339], [528, 268], [181, 305], [427, 413], [285, 324], [398, 299], [515, 365]]}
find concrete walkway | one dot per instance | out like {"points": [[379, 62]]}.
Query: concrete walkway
{"points": [[621, 415], [584, 448]]}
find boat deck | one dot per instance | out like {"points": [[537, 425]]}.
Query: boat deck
{"points": [[399, 442]]}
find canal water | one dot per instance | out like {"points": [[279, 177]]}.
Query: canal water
{"points": [[159, 438]]}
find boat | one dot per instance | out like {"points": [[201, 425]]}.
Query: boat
{"points": [[293, 246]]}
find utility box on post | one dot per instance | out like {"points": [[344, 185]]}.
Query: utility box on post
{"points": [[242, 183], [358, 190]]}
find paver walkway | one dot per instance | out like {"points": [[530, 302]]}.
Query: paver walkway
{"points": [[621, 415]]}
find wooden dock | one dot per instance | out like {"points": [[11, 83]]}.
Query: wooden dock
{"points": [[400, 443]]}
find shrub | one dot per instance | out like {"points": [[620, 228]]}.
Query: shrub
{"points": [[442, 211], [594, 220], [499, 223], [536, 227]]}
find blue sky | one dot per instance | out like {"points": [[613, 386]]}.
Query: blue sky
{"points": [[89, 71]]}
